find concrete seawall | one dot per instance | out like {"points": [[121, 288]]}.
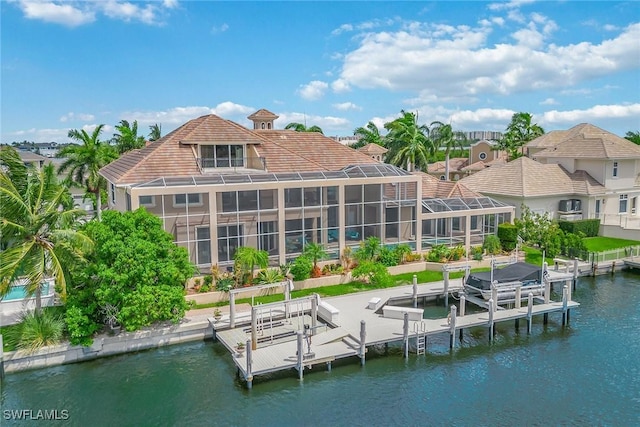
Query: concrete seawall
{"points": [[104, 345]]}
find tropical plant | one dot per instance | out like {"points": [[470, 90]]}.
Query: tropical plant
{"points": [[492, 244], [84, 160], [402, 251], [225, 283], [373, 273], [299, 127], [408, 143], [37, 330], [368, 135], [127, 138], [387, 257], [36, 227], [315, 252], [270, 275], [155, 132], [520, 131], [369, 249], [347, 259], [443, 136], [247, 258], [110, 314]]}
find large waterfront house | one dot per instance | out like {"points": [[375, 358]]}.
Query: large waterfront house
{"points": [[218, 185], [584, 172]]}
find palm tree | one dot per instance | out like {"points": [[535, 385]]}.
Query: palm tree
{"points": [[368, 135], [299, 127], [518, 133], [633, 137], [84, 160], [127, 139], [246, 259], [315, 252], [443, 136], [408, 143], [155, 132], [36, 220]]}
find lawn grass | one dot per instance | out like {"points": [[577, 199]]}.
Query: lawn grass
{"points": [[342, 289], [599, 244], [533, 255]]}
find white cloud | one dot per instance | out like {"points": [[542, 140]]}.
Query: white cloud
{"points": [[340, 86], [77, 116], [181, 115], [549, 101], [345, 106], [76, 13], [219, 29], [313, 90], [594, 115], [427, 60], [57, 13]]}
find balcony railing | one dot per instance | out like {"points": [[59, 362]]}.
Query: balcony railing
{"points": [[239, 163]]}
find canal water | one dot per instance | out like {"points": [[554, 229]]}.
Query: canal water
{"points": [[585, 374]]}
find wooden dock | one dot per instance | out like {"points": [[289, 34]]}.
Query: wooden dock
{"points": [[283, 343]]}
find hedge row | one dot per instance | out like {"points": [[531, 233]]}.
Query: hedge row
{"points": [[590, 227]]}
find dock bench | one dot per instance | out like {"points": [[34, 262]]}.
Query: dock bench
{"points": [[393, 312], [373, 303], [329, 313]]}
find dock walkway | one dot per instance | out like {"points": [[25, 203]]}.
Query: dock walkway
{"points": [[332, 342]]}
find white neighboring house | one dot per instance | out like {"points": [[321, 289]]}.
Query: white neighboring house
{"points": [[584, 172]]}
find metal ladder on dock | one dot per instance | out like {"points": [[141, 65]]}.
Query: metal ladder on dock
{"points": [[420, 329]]}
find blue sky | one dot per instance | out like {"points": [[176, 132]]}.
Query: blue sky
{"points": [[75, 64]]}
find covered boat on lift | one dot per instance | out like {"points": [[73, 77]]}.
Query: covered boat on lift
{"points": [[506, 279]]}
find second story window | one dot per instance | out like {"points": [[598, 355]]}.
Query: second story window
{"points": [[615, 169], [222, 156]]}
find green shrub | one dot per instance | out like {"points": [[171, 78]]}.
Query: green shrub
{"points": [[438, 253], [492, 245], [388, 257], [590, 227], [457, 253], [402, 252], [225, 283], [374, 273], [508, 235], [270, 275], [301, 268], [80, 326], [477, 253]]}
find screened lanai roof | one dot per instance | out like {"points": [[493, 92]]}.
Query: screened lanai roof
{"points": [[460, 204], [352, 171]]}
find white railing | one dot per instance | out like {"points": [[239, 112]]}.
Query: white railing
{"points": [[616, 254]]}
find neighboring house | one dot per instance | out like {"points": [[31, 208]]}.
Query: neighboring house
{"points": [[217, 186], [541, 187], [603, 168], [78, 194], [482, 155], [375, 151]]}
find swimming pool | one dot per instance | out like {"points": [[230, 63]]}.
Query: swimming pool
{"points": [[19, 291]]}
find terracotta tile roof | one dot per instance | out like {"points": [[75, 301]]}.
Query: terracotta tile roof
{"points": [[263, 114], [306, 151], [175, 156], [455, 164], [474, 167], [372, 148], [525, 177], [433, 188], [586, 141]]}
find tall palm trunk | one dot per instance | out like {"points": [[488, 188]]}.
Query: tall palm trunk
{"points": [[446, 165], [98, 205], [38, 299]]}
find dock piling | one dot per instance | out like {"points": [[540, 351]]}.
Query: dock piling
{"points": [[249, 377], [529, 311], [299, 354], [463, 303], [405, 334], [491, 312], [363, 336], [565, 295], [575, 273], [232, 310], [452, 325], [415, 291]]}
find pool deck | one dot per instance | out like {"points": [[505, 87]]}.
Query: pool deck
{"points": [[341, 339]]}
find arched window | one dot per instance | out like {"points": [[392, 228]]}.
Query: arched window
{"points": [[262, 125], [441, 177], [268, 125]]}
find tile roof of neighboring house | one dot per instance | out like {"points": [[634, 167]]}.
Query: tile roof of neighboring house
{"points": [[30, 156], [474, 167], [263, 114], [372, 148], [433, 188], [585, 141], [525, 177], [455, 164], [174, 154]]}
